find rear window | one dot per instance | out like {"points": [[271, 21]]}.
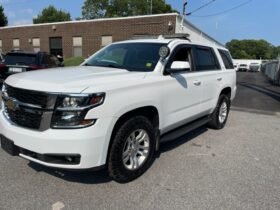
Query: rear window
{"points": [[206, 59], [20, 59], [226, 59]]}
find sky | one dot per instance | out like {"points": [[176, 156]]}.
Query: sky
{"points": [[258, 19]]}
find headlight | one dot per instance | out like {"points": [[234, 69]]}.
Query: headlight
{"points": [[70, 110]]}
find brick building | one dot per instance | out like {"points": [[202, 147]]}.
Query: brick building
{"points": [[83, 38]]}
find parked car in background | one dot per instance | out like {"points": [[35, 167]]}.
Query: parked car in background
{"points": [[19, 61], [2, 57], [243, 67], [235, 67], [254, 67]]}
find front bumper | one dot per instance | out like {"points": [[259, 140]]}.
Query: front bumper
{"points": [[89, 144]]}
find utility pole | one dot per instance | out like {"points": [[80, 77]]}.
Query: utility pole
{"points": [[183, 15], [151, 7]]}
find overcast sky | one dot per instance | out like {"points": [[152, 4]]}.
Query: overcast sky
{"points": [[258, 19]]}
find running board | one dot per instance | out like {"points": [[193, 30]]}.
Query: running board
{"points": [[178, 132]]}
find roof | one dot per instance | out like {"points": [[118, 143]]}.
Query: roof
{"points": [[24, 52], [88, 21], [167, 41]]}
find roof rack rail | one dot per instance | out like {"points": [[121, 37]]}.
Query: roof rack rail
{"points": [[175, 36], [144, 36], [163, 36]]}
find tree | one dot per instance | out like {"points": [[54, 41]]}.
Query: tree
{"points": [[93, 9], [251, 49], [276, 52], [3, 17], [51, 14]]}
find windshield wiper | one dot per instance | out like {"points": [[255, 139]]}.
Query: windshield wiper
{"points": [[108, 66]]}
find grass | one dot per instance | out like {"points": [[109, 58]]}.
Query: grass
{"points": [[75, 61]]}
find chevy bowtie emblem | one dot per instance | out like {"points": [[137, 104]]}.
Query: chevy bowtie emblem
{"points": [[11, 104]]}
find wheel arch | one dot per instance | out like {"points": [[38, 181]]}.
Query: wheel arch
{"points": [[151, 112], [226, 91]]}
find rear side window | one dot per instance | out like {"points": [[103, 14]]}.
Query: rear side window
{"points": [[206, 59], [226, 59]]}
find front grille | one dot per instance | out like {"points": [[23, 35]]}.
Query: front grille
{"points": [[25, 119], [27, 108], [27, 96]]}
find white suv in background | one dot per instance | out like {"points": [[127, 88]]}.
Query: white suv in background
{"points": [[116, 108]]}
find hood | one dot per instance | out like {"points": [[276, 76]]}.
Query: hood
{"points": [[72, 79]]}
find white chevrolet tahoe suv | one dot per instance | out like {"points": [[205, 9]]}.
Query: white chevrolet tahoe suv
{"points": [[115, 109]]}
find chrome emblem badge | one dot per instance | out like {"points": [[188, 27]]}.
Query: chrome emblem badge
{"points": [[11, 104]]}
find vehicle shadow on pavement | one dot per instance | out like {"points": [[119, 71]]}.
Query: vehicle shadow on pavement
{"points": [[101, 177], [273, 94], [165, 147], [82, 177]]}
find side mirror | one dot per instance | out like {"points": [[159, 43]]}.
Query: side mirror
{"points": [[179, 66]]}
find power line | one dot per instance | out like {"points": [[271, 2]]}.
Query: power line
{"points": [[225, 11], [201, 7]]}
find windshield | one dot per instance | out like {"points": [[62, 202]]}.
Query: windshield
{"points": [[20, 59], [129, 56]]}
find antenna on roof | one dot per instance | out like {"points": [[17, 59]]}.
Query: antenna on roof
{"points": [[183, 15]]}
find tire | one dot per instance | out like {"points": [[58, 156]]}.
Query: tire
{"points": [[123, 164], [220, 115]]}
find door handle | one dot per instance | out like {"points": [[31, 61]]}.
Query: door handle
{"points": [[220, 79], [197, 83]]}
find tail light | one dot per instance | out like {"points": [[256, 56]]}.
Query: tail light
{"points": [[34, 67], [2, 66]]}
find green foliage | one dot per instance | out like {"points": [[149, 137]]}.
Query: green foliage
{"points": [[252, 49], [93, 9], [276, 52], [51, 15], [3, 17], [75, 61]]}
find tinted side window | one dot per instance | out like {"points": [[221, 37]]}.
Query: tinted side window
{"points": [[206, 59], [226, 59]]}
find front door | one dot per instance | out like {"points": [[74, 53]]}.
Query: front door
{"points": [[183, 91]]}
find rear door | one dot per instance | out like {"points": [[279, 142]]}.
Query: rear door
{"points": [[208, 65]]}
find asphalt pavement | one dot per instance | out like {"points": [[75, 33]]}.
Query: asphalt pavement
{"points": [[255, 92], [234, 168]]}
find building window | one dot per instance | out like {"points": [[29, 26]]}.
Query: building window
{"points": [[16, 44], [0, 45], [77, 46], [105, 40], [36, 44]]}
